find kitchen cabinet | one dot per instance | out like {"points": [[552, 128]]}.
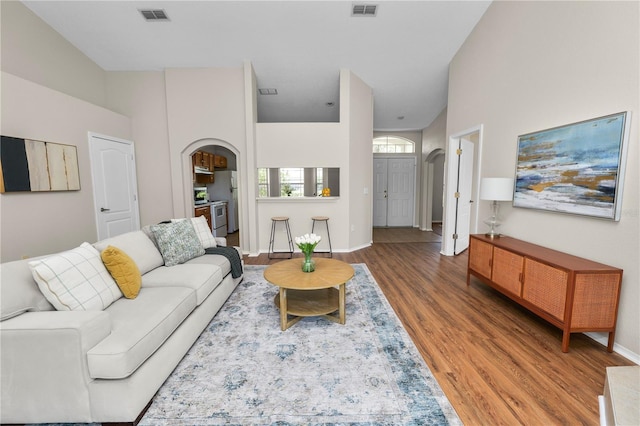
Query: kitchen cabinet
{"points": [[203, 167], [570, 292], [203, 160], [204, 211], [200, 178], [220, 161]]}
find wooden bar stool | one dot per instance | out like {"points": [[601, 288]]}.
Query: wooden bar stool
{"points": [[324, 219], [274, 221]]}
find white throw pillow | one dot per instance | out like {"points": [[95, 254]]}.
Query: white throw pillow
{"points": [[203, 231], [201, 226], [75, 280]]}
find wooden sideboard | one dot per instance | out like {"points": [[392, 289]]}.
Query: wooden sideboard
{"points": [[570, 292]]}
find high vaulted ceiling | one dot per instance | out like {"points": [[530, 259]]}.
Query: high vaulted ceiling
{"points": [[296, 47]]}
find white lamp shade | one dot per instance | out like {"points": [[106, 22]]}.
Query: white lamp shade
{"points": [[498, 189]]}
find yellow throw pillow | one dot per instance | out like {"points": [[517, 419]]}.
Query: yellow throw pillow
{"points": [[123, 269]]}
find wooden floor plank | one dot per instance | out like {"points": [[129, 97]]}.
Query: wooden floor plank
{"points": [[497, 363]]}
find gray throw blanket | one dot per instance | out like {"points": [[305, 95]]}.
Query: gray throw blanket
{"points": [[232, 255]]}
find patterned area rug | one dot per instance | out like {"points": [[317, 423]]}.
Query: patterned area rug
{"points": [[244, 370]]}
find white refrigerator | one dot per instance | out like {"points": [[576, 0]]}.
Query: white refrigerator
{"points": [[225, 188]]}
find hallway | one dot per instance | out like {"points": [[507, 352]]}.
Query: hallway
{"points": [[408, 235]]}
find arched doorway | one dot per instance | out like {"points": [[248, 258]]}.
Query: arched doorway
{"points": [[225, 185], [433, 185]]}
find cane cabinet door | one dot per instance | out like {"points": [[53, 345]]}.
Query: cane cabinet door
{"points": [[545, 287], [481, 257], [507, 270]]}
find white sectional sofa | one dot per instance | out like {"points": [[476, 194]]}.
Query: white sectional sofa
{"points": [[103, 365]]}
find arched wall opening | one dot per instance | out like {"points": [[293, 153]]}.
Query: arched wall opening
{"points": [[433, 185], [211, 145]]}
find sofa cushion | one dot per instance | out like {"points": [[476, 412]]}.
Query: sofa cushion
{"points": [[147, 231], [19, 292], [178, 242], [123, 269], [138, 328], [75, 280], [201, 278], [201, 226], [137, 246]]}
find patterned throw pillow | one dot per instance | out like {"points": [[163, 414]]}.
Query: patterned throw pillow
{"points": [[124, 270], [75, 280], [177, 241], [203, 231]]}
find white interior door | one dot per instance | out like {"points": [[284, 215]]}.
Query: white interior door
{"points": [[380, 192], [393, 191], [473, 135], [400, 187], [463, 200], [114, 185]]}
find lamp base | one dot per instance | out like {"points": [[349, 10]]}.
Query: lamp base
{"points": [[493, 222]]}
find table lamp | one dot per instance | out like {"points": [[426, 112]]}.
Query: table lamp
{"points": [[495, 189]]}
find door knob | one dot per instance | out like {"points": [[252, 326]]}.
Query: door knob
{"points": [[102, 209]]}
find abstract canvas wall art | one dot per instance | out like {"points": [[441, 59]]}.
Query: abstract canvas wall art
{"points": [[36, 166], [576, 168]]}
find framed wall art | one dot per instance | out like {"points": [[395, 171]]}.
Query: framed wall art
{"points": [[577, 168], [36, 166]]}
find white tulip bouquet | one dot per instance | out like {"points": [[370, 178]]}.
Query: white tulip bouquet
{"points": [[307, 243]]}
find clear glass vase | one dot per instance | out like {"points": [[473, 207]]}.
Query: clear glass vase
{"points": [[308, 264]]}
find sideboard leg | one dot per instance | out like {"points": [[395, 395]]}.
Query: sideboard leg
{"points": [[612, 336], [565, 340]]}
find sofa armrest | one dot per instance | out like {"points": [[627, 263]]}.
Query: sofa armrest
{"points": [[221, 241], [43, 364]]}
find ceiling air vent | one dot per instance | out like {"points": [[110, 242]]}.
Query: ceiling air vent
{"points": [[154, 14], [268, 91], [369, 10]]}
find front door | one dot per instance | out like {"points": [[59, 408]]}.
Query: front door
{"points": [[394, 193], [380, 196], [400, 183], [114, 185]]}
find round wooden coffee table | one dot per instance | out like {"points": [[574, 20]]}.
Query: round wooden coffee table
{"points": [[305, 294]]}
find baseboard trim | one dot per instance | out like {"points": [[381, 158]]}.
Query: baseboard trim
{"points": [[619, 349]]}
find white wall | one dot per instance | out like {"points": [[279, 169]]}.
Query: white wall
{"points": [[357, 113], [32, 50], [434, 138], [202, 104], [142, 96], [300, 145], [346, 145], [435, 135], [47, 222], [303, 145], [529, 66]]}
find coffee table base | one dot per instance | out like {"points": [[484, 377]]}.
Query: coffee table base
{"points": [[309, 303]]}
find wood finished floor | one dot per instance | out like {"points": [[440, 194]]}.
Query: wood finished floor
{"points": [[497, 363]]}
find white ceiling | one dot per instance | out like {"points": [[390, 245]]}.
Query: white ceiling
{"points": [[297, 47]]}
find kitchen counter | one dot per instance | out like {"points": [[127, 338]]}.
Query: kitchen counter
{"points": [[296, 199], [210, 203]]}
